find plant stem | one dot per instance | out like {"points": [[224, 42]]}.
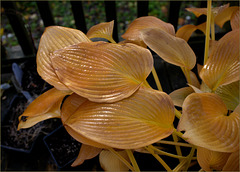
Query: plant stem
{"points": [[121, 158], [186, 72], [209, 4], [212, 27], [177, 113], [174, 143], [166, 153], [132, 159], [158, 158], [189, 159], [155, 76], [178, 149], [180, 165]]}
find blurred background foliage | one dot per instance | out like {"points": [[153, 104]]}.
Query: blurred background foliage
{"points": [[94, 13]]}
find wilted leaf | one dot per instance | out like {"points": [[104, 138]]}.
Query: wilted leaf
{"points": [[206, 123], [229, 94], [55, 38], [43, 107], [179, 95], [222, 67], [170, 48], [225, 16], [211, 160], [102, 30], [103, 72], [142, 119], [233, 162], [134, 29], [86, 152], [110, 162]]}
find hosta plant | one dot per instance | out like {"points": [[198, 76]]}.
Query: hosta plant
{"points": [[104, 101]]}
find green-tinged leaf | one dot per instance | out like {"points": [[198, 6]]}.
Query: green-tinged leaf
{"points": [[43, 107], [102, 30], [229, 94], [179, 95], [103, 72], [86, 152], [211, 160], [110, 162], [233, 162], [142, 119], [207, 124], [225, 15], [170, 48], [133, 32], [222, 67], [55, 38]]}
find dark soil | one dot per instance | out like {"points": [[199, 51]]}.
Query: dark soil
{"points": [[62, 146]]}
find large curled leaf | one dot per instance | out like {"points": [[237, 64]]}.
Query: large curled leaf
{"points": [[225, 15], [102, 30], [86, 152], [233, 162], [211, 160], [235, 20], [207, 125], [222, 67], [134, 29], [170, 48], [43, 107], [142, 119], [110, 162], [103, 72], [55, 38]]}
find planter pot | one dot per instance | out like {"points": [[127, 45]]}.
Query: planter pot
{"points": [[62, 147]]}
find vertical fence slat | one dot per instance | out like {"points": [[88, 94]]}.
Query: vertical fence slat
{"points": [[173, 13], [17, 24], [78, 15], [142, 8], [111, 14], [46, 13]]}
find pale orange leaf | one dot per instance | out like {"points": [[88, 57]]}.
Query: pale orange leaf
{"points": [[206, 123], [233, 162], [235, 20], [179, 95], [225, 15], [172, 49], [55, 38], [142, 119], [103, 72]]}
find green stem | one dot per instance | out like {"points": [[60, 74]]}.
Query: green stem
{"points": [[155, 76], [189, 159], [177, 113], [166, 153], [186, 72], [158, 158], [121, 158], [174, 143], [132, 159], [180, 165], [209, 4]]}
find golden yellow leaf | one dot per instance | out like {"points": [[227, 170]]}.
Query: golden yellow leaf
{"points": [[55, 38], [211, 160], [229, 94], [233, 162], [86, 152], [225, 15], [179, 95], [103, 72], [110, 162], [222, 67], [207, 124], [102, 30], [170, 48], [133, 31], [142, 119], [43, 107]]}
